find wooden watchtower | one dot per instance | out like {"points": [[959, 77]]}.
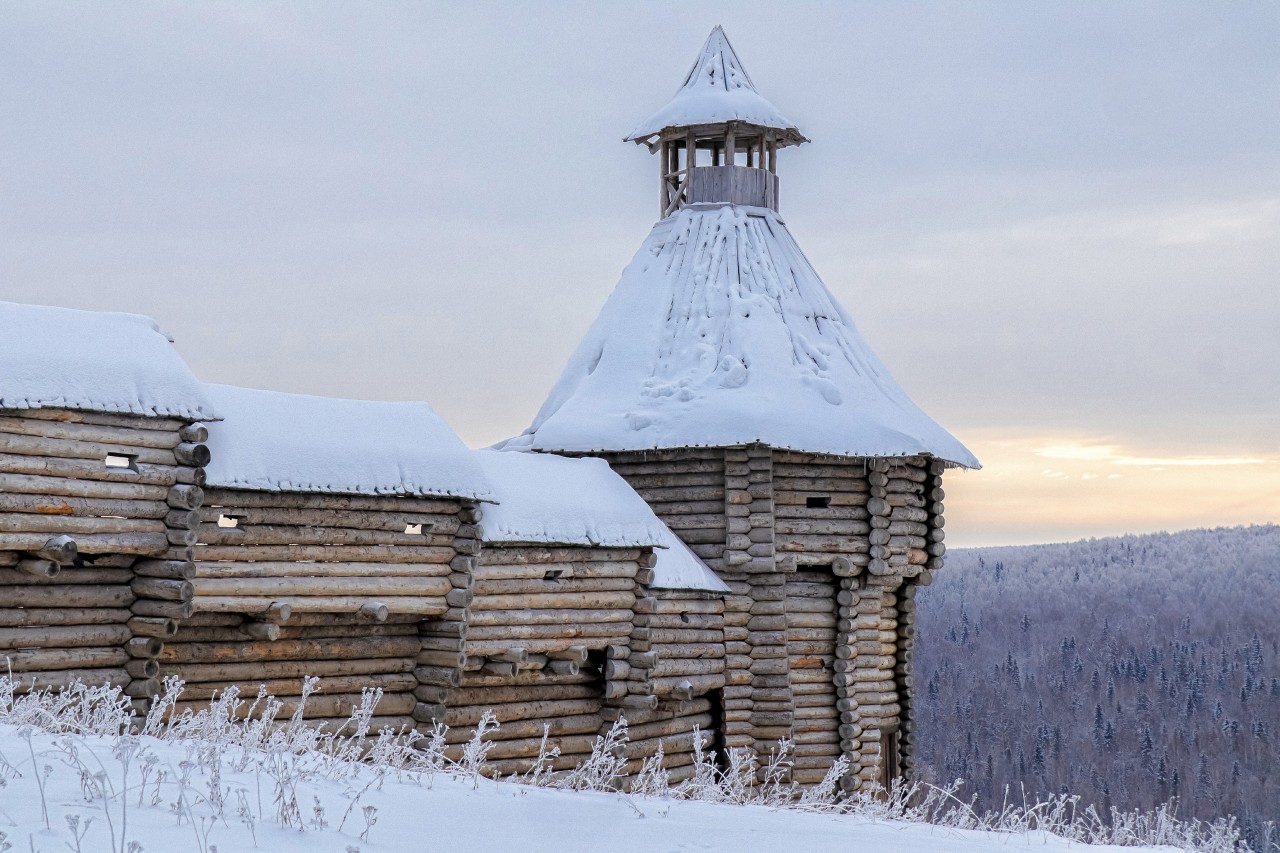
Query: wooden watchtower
{"points": [[724, 382]]}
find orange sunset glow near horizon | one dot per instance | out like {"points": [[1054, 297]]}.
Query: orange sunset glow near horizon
{"points": [[1034, 489]]}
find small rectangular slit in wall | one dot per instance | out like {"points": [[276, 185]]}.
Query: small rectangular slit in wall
{"points": [[229, 521], [817, 501], [553, 574], [416, 529], [121, 460]]}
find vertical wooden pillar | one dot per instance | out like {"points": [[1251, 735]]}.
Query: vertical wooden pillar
{"points": [[663, 197], [690, 151], [730, 147]]}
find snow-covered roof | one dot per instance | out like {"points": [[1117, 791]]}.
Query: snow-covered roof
{"points": [[721, 334], [61, 358], [716, 90], [557, 500], [271, 441], [679, 568]]}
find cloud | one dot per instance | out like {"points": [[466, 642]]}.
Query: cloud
{"points": [[1113, 454]]}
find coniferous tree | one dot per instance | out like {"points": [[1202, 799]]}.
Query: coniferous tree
{"points": [[1174, 669]]}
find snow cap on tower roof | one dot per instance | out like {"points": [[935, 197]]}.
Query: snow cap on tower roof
{"points": [[721, 334], [276, 442], [94, 361], [717, 90]]}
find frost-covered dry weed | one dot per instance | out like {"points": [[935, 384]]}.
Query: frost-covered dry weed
{"points": [[243, 765]]}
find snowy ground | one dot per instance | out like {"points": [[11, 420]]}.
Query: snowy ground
{"points": [[351, 807]]}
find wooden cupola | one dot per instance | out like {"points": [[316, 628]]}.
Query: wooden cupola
{"points": [[718, 138]]}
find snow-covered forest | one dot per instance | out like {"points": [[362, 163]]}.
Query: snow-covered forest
{"points": [[1127, 670]]}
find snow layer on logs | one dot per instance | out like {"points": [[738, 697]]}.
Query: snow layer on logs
{"points": [[555, 500], [721, 334], [272, 441], [717, 89], [60, 358], [678, 568]]}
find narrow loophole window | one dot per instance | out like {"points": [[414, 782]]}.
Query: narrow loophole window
{"points": [[121, 460], [817, 501], [413, 530], [553, 574], [229, 521]]}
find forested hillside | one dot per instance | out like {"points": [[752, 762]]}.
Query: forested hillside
{"points": [[1127, 670]]}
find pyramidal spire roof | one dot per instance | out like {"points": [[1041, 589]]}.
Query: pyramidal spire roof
{"points": [[721, 334], [717, 90]]}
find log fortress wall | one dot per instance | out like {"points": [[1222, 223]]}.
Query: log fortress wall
{"points": [[823, 556], [230, 587], [98, 513]]}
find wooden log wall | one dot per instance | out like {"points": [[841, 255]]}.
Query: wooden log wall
{"points": [[567, 701], [718, 502], [822, 555], [675, 726], [811, 655], [686, 489], [677, 645], [545, 635], [442, 641], [813, 642], [904, 506], [821, 508], [284, 585], [761, 611], [319, 553], [92, 506], [677, 672], [213, 651]]}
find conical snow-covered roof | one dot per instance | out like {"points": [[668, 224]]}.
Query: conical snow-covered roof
{"points": [[720, 334], [716, 90]]}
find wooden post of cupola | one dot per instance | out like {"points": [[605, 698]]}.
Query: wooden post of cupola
{"points": [[664, 165], [730, 145]]}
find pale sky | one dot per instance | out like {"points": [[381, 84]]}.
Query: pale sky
{"points": [[1057, 223]]}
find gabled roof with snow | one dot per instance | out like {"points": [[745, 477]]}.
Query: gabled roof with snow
{"points": [[276, 442], [94, 361], [721, 334], [716, 90], [678, 568], [556, 500]]}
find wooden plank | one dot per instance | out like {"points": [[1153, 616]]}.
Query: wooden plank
{"points": [[89, 469], [126, 436], [320, 570]]}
